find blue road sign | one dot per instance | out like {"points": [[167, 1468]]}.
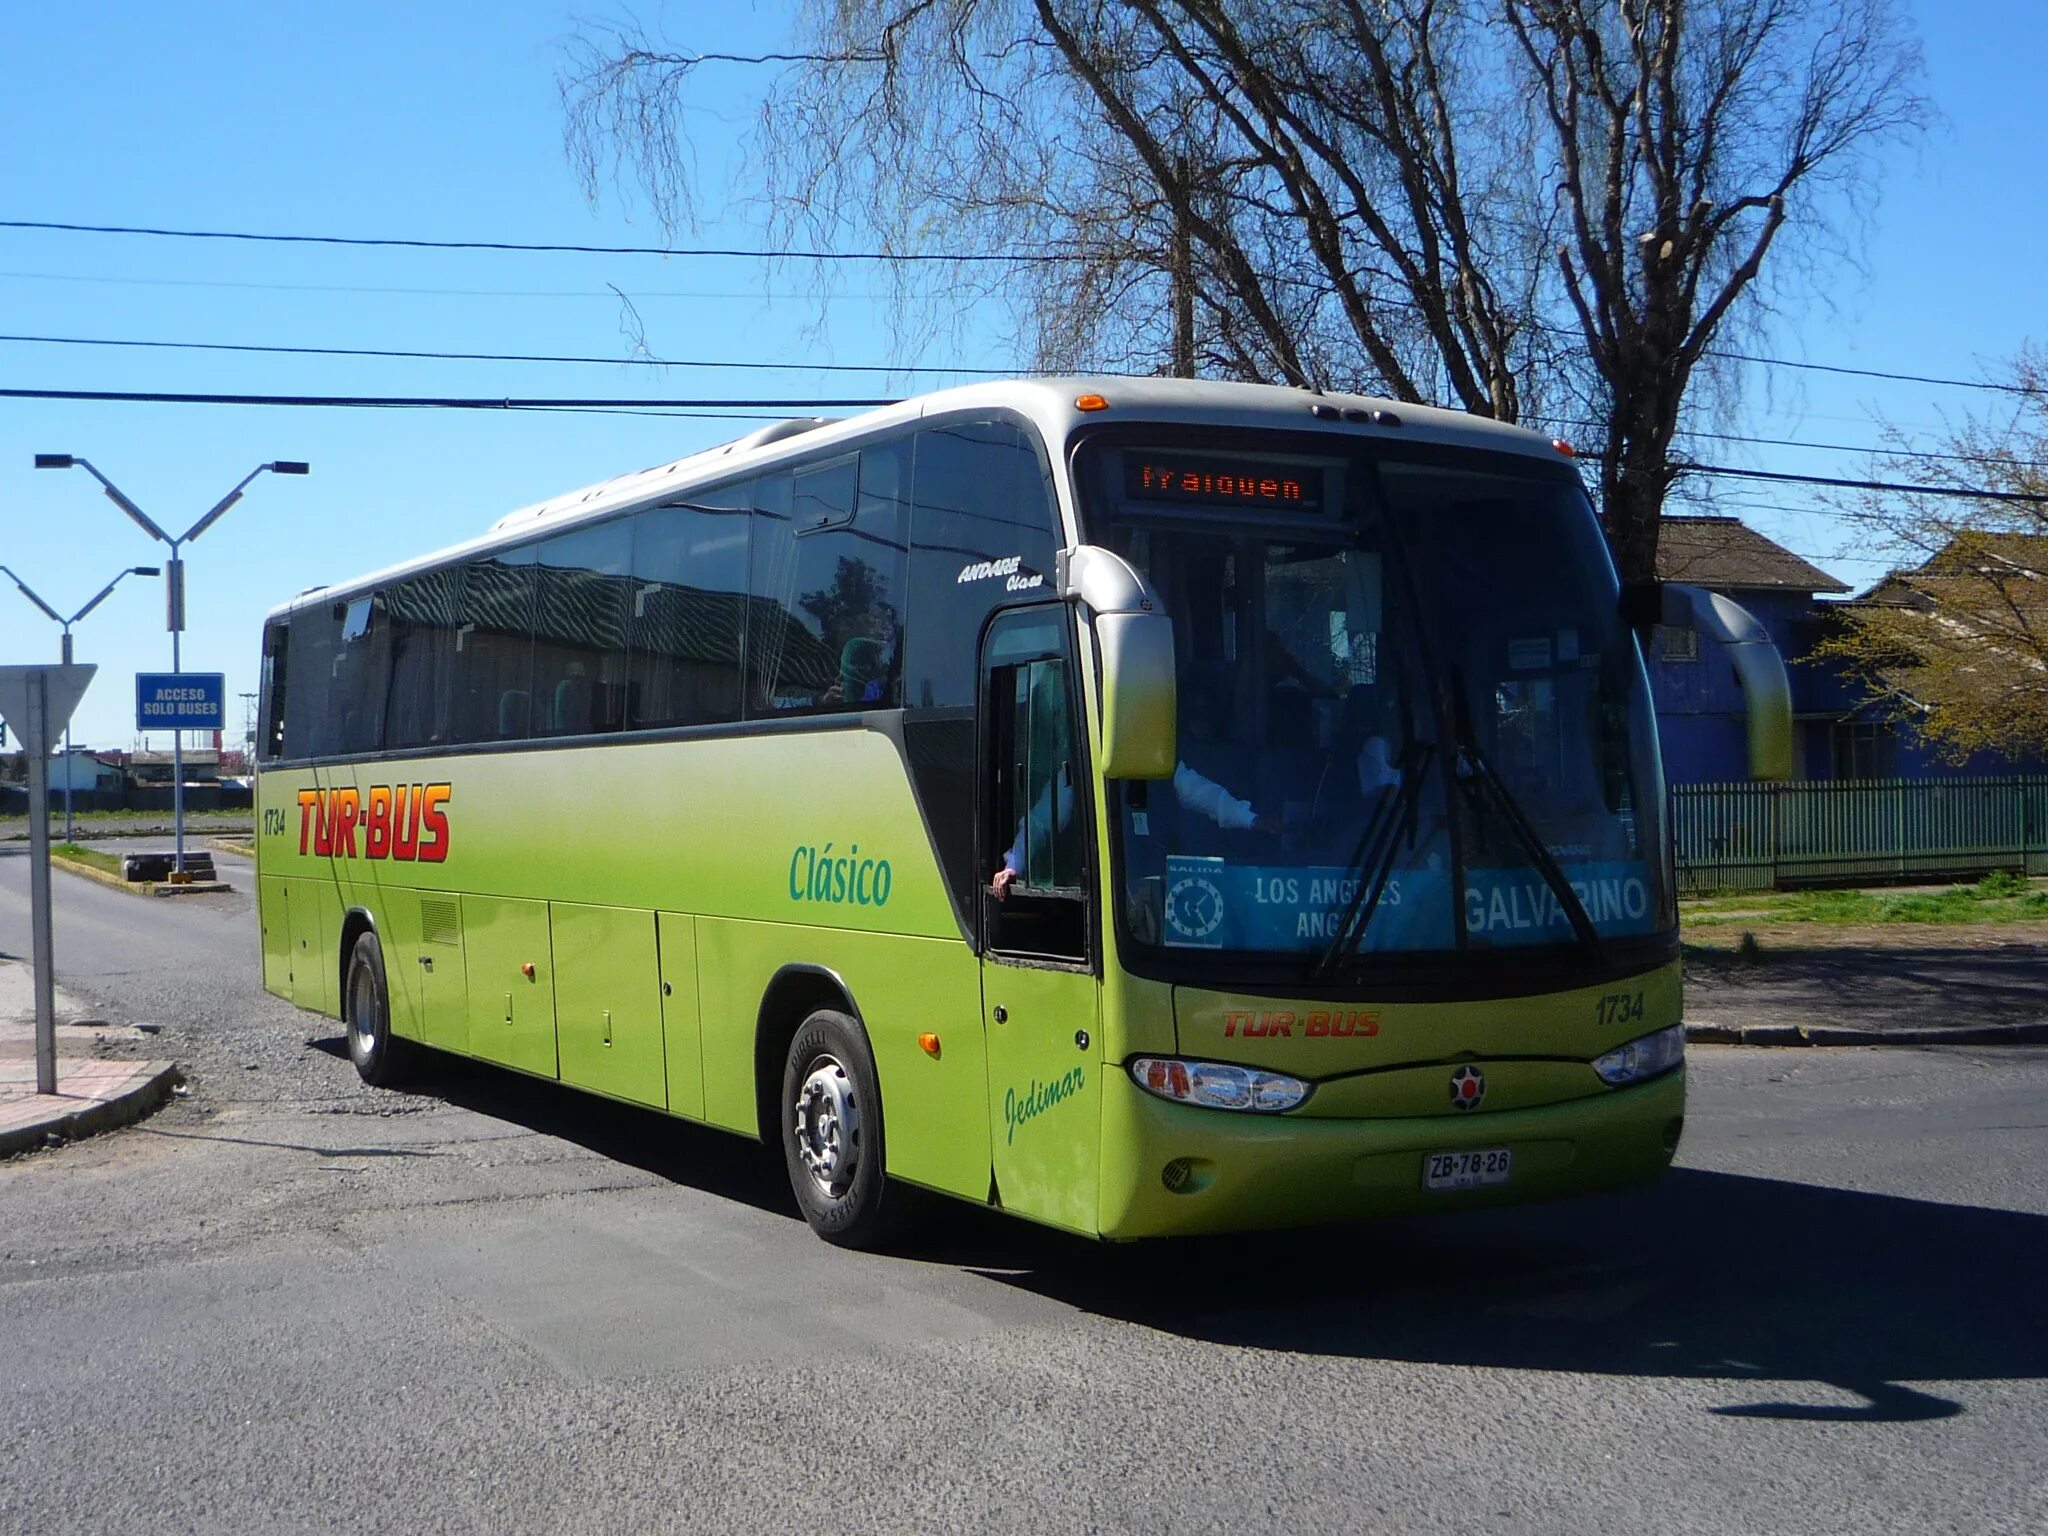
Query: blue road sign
{"points": [[181, 701]]}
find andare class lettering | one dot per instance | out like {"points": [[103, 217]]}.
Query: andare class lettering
{"points": [[397, 821]]}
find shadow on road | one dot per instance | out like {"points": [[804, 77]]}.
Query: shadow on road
{"points": [[1873, 985], [1701, 1275], [1704, 1275]]}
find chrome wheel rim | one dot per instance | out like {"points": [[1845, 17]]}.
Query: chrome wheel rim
{"points": [[362, 1015], [827, 1122]]}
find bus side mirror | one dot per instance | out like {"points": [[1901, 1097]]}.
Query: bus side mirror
{"points": [[1134, 643], [1759, 671], [1138, 727]]}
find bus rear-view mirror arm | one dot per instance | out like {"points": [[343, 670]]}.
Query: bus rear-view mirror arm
{"points": [[1134, 641], [1759, 669]]}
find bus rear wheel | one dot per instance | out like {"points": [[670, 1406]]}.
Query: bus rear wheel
{"points": [[382, 1059], [832, 1133]]}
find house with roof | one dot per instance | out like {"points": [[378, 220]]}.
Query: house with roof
{"points": [[1700, 710], [1977, 609], [1839, 730]]}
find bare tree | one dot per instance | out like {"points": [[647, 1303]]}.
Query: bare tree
{"points": [[1956, 638], [1517, 206]]}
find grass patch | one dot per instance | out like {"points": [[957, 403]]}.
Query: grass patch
{"points": [[106, 862], [2002, 897]]}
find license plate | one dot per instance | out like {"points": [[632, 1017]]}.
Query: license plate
{"points": [[1467, 1170]]}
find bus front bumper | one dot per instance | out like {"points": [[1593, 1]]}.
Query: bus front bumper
{"points": [[1173, 1169]]}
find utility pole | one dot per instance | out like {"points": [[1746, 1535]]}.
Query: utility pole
{"points": [[1182, 261], [39, 701], [174, 587]]}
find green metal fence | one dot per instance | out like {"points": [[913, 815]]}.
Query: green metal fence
{"points": [[1857, 831]]}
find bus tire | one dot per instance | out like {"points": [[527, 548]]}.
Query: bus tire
{"points": [[382, 1059], [832, 1141]]}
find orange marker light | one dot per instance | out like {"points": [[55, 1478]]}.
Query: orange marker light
{"points": [[526, 970], [1090, 403], [1564, 447], [929, 1044]]}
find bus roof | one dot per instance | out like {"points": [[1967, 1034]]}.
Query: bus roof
{"points": [[1050, 403]]}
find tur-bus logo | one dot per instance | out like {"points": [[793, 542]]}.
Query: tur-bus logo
{"points": [[400, 821]]}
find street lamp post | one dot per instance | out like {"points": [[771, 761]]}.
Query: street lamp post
{"points": [[174, 586], [65, 655]]}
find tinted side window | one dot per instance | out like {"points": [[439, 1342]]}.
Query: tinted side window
{"points": [[983, 532], [362, 670], [579, 635], [426, 625], [271, 689], [687, 610], [494, 669], [309, 729], [828, 585]]}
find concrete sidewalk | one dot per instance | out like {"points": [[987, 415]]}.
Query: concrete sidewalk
{"points": [[94, 1092]]}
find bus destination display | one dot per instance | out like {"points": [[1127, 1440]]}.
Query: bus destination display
{"points": [[1212, 480]]}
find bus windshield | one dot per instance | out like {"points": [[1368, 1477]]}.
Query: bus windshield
{"points": [[1411, 719]]}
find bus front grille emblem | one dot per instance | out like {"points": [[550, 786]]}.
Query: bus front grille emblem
{"points": [[1468, 1087]]}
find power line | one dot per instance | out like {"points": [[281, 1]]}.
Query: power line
{"points": [[1968, 493], [477, 403], [433, 402], [995, 258], [934, 257], [493, 357], [1005, 258], [428, 355], [608, 295], [1878, 373]]}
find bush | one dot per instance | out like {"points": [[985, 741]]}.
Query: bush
{"points": [[2000, 883]]}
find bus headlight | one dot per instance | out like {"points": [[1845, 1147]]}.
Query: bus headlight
{"points": [[1643, 1058], [1216, 1085]]}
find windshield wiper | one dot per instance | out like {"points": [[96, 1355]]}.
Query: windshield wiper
{"points": [[1484, 784], [1373, 858]]}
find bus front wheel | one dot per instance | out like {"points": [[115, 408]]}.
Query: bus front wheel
{"points": [[832, 1133], [381, 1058]]}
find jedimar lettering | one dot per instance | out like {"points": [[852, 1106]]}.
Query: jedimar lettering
{"points": [[395, 821], [1038, 1098]]}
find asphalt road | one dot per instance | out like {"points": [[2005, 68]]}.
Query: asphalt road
{"points": [[291, 1302]]}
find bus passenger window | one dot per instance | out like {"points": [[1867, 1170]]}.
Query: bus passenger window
{"points": [[687, 609], [494, 648], [827, 587], [579, 633], [983, 532], [426, 617]]}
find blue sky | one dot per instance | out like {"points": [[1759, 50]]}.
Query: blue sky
{"points": [[443, 122]]}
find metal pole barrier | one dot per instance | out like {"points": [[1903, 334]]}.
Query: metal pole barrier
{"points": [[65, 657], [174, 594], [38, 748]]}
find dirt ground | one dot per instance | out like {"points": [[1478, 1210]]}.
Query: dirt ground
{"points": [[1903, 974]]}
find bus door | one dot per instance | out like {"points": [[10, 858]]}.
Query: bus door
{"points": [[1040, 996]]}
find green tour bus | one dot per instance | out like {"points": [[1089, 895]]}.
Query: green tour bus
{"points": [[1144, 806]]}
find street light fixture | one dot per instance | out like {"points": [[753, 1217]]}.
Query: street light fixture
{"points": [[174, 583], [65, 654]]}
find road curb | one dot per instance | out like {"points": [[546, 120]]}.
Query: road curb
{"points": [[228, 845], [1854, 1034], [93, 1116], [138, 887]]}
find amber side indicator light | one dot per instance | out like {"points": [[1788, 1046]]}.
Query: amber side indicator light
{"points": [[929, 1044], [1090, 403], [1564, 447]]}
